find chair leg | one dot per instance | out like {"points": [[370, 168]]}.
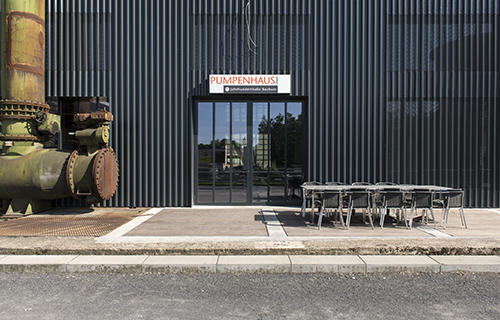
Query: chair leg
{"points": [[340, 213], [411, 218], [405, 217], [433, 218], [348, 219], [382, 217], [304, 204], [320, 218], [462, 214], [445, 220], [368, 210], [442, 216]]}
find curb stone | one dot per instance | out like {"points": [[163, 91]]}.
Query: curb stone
{"points": [[248, 264]]}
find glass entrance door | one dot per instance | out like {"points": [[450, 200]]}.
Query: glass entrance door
{"points": [[248, 152]]}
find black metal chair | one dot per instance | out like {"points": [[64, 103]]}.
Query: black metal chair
{"points": [[392, 199], [332, 200], [453, 199], [308, 196], [359, 198], [421, 200]]}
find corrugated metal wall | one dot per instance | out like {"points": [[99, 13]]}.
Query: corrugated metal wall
{"points": [[402, 91]]}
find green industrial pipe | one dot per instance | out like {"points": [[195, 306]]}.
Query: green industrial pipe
{"points": [[29, 174]]}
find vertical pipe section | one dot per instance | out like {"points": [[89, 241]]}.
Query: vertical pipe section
{"points": [[23, 72]]}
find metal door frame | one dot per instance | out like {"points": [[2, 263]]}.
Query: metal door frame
{"points": [[249, 100]]}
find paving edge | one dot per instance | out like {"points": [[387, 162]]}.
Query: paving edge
{"points": [[247, 264]]}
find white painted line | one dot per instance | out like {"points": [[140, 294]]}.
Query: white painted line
{"points": [[493, 210], [273, 225], [432, 231], [127, 227]]}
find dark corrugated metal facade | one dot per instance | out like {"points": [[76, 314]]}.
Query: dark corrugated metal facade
{"points": [[401, 91]]}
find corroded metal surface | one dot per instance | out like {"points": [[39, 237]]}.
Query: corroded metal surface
{"points": [[73, 225], [23, 72], [105, 173]]}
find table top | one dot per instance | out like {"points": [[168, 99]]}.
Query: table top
{"points": [[375, 188]]}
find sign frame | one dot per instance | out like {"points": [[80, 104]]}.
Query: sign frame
{"points": [[249, 84]]}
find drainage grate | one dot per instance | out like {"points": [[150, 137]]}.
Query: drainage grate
{"points": [[73, 225]]}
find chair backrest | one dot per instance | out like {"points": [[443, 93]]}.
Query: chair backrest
{"points": [[359, 198], [362, 184], [334, 183], [422, 199], [455, 199], [393, 198], [331, 199], [311, 183], [385, 184]]}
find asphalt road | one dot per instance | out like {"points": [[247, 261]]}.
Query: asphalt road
{"points": [[249, 296]]}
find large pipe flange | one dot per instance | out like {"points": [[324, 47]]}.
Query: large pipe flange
{"points": [[105, 173], [70, 169], [22, 110]]}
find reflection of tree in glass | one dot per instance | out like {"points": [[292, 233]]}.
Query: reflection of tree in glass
{"points": [[276, 128], [222, 152]]}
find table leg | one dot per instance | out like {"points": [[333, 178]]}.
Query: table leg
{"points": [[303, 204], [312, 208]]}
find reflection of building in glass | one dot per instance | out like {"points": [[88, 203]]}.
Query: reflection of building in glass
{"points": [[261, 151], [222, 154]]}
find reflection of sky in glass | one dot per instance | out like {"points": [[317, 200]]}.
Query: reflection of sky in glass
{"points": [[222, 121], [294, 108], [205, 123], [259, 114], [239, 122], [277, 109]]}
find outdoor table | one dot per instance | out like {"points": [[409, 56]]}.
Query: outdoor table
{"points": [[314, 190]]}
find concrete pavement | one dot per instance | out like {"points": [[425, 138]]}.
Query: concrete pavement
{"points": [[251, 239]]}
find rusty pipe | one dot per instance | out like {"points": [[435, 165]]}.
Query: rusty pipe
{"points": [[23, 72]]}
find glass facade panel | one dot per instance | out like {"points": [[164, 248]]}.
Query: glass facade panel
{"points": [[239, 150], [277, 141], [222, 156], [205, 153], [261, 152], [228, 157]]}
